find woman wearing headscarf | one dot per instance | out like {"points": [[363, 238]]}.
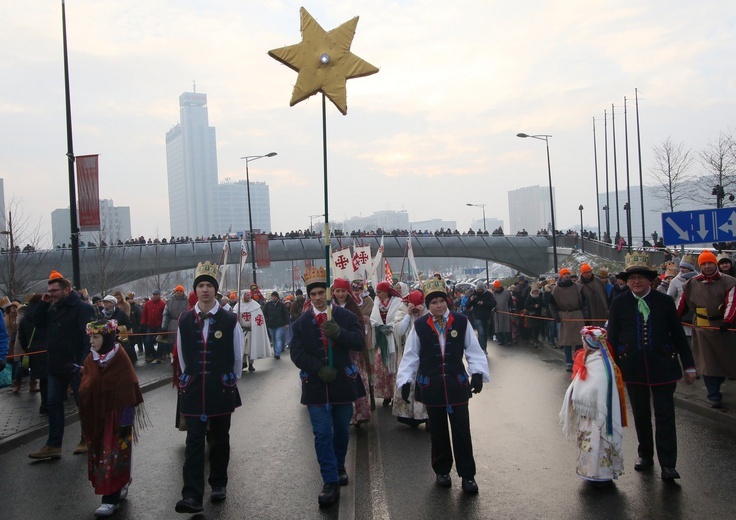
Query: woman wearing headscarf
{"points": [[109, 404], [411, 411], [342, 296], [388, 309]]}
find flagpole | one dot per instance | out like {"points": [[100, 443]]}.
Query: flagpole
{"points": [[327, 225]]}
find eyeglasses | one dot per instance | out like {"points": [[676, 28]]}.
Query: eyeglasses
{"points": [[54, 290]]}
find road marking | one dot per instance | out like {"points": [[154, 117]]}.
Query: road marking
{"points": [[375, 463]]}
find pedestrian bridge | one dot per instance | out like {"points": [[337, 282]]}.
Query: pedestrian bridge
{"points": [[115, 265]]}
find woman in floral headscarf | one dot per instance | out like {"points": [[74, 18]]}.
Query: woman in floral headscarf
{"points": [[388, 309], [109, 399]]}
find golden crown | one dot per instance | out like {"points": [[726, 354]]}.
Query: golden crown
{"points": [[206, 269], [433, 285], [637, 259], [315, 275]]}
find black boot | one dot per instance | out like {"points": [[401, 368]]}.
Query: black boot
{"points": [[329, 495]]}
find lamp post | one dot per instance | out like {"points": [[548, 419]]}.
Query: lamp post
{"points": [[311, 218], [608, 227], [582, 238], [485, 230], [627, 209], [9, 233], [545, 138], [720, 194], [249, 159]]}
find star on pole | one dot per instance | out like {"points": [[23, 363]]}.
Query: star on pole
{"points": [[324, 61]]}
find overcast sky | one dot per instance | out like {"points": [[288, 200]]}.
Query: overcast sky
{"points": [[433, 130]]}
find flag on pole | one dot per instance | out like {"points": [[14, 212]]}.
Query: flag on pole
{"points": [[389, 273], [413, 271], [342, 263], [377, 262], [363, 255], [243, 258], [223, 260]]}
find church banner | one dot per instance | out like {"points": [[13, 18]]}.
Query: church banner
{"points": [[263, 255], [88, 192]]}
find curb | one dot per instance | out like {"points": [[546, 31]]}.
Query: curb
{"points": [[19, 439]]}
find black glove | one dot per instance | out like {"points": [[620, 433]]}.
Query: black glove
{"points": [[725, 327], [2, 365], [327, 374], [476, 383], [331, 329], [405, 391], [125, 431]]}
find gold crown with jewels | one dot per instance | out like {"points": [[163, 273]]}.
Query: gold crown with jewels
{"points": [[315, 275]]}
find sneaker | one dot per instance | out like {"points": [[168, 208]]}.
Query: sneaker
{"points": [[81, 448], [189, 505], [443, 480], [106, 509], [47, 452], [124, 491], [470, 486]]}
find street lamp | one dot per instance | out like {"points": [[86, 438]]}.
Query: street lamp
{"points": [[9, 233], [545, 138], [311, 218], [249, 159], [582, 239], [485, 230], [720, 194]]}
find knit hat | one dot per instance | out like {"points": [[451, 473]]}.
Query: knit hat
{"points": [[179, 288], [57, 277], [480, 286], [110, 299], [341, 283], [723, 258], [687, 265], [564, 271], [416, 298], [707, 256], [497, 284], [584, 268]]}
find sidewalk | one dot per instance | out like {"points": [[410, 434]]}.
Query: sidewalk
{"points": [[20, 421], [693, 398]]}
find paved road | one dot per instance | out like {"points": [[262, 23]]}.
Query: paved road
{"points": [[526, 469]]}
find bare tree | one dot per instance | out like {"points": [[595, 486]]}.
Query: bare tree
{"points": [[102, 264], [672, 162], [718, 161], [18, 271]]}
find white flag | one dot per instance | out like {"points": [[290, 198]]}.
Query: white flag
{"points": [[342, 264], [362, 256], [223, 268], [377, 266], [414, 272]]}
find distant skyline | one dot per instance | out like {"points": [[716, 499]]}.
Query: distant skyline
{"points": [[435, 129]]}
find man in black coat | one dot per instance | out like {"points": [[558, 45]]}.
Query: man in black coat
{"points": [[65, 316], [649, 345], [330, 379], [482, 304]]}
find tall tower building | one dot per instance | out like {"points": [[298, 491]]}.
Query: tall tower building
{"points": [[114, 225], [191, 164]]}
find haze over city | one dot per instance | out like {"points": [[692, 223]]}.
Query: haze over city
{"points": [[434, 130]]}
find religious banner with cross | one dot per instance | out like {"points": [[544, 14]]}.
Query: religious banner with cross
{"points": [[363, 257], [342, 264]]}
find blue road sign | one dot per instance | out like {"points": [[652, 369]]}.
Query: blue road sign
{"points": [[699, 226]]}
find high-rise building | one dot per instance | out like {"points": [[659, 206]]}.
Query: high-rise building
{"points": [[198, 205], [231, 210], [114, 225], [191, 163], [387, 220], [529, 210]]}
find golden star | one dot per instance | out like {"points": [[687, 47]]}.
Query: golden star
{"points": [[324, 61]]}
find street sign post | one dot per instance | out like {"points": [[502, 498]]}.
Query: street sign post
{"points": [[699, 226]]}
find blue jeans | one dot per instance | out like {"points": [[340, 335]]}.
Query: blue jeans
{"points": [[552, 331], [331, 430], [568, 353], [57, 385], [713, 385], [483, 328], [278, 338]]}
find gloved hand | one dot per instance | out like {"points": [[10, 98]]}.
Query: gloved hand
{"points": [[476, 383], [125, 431], [2, 365], [327, 375], [405, 391], [331, 329]]}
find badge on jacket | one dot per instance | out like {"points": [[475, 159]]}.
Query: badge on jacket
{"points": [[218, 334]]}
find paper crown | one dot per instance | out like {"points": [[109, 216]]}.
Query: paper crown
{"points": [[434, 285], [315, 275], [636, 260], [207, 269]]}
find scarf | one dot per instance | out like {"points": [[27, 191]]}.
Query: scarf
{"points": [[107, 387], [597, 393], [642, 306]]}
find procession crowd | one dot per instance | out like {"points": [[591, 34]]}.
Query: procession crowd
{"points": [[421, 352]]}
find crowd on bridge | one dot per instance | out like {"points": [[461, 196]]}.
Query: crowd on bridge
{"points": [[374, 343]]}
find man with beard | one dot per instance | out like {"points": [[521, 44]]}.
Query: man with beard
{"points": [[65, 316]]}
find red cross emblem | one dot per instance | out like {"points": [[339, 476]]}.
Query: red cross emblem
{"points": [[259, 320], [341, 261]]}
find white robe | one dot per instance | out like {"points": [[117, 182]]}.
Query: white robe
{"points": [[396, 312], [257, 344]]}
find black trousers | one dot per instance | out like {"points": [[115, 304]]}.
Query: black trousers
{"points": [[218, 437], [641, 397], [462, 444]]}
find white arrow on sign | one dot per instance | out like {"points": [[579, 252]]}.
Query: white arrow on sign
{"points": [[703, 231], [730, 225], [680, 232]]}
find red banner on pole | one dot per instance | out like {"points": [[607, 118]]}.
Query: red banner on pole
{"points": [[263, 255], [297, 274], [88, 192]]}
